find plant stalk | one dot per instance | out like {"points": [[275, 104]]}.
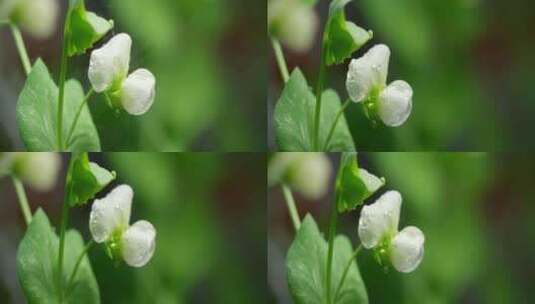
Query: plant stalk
{"points": [[23, 200], [319, 88], [281, 62], [346, 271], [292, 209], [332, 232], [61, 83], [21, 48], [63, 226], [335, 122], [78, 112], [78, 262]]}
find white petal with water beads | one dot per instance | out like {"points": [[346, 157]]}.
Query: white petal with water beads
{"points": [[380, 219], [139, 243], [138, 92], [407, 249], [111, 213], [395, 103]]}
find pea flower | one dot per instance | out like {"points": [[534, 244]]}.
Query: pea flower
{"points": [[37, 17], [366, 82], [108, 73], [109, 223], [294, 22], [378, 229], [37, 169], [306, 172]]}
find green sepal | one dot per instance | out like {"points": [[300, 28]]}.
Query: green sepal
{"points": [[342, 37], [85, 179], [351, 191], [84, 28]]}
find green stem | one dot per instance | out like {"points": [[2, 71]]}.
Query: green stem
{"points": [[333, 126], [23, 200], [78, 262], [61, 83], [281, 62], [319, 88], [332, 233], [346, 270], [21, 48], [292, 209], [78, 112], [63, 226]]}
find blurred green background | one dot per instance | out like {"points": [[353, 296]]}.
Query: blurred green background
{"points": [[475, 209], [209, 212], [209, 59], [470, 63]]}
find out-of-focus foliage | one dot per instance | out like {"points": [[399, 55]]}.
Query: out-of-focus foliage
{"points": [[475, 211]]}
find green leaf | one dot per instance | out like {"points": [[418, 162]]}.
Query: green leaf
{"points": [[294, 118], [85, 179], [351, 190], [342, 37], [306, 266], [37, 259], [84, 29], [37, 114]]}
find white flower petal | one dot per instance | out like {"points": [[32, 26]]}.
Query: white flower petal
{"points": [[109, 63], [378, 57], [407, 249], [359, 79], [310, 174], [38, 17], [111, 213], [139, 243], [371, 181], [298, 26], [380, 219], [38, 169], [138, 92], [395, 103], [367, 72]]}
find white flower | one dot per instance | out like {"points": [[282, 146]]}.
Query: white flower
{"points": [[378, 228], [37, 169], [306, 172], [366, 81], [295, 23], [37, 17], [108, 70], [109, 222]]}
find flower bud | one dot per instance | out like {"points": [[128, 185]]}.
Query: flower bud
{"points": [[37, 17], [294, 22]]}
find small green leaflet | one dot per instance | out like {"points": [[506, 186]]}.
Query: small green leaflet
{"points": [[37, 114], [294, 118], [85, 179], [342, 37], [353, 184], [84, 29], [37, 260], [306, 268]]}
